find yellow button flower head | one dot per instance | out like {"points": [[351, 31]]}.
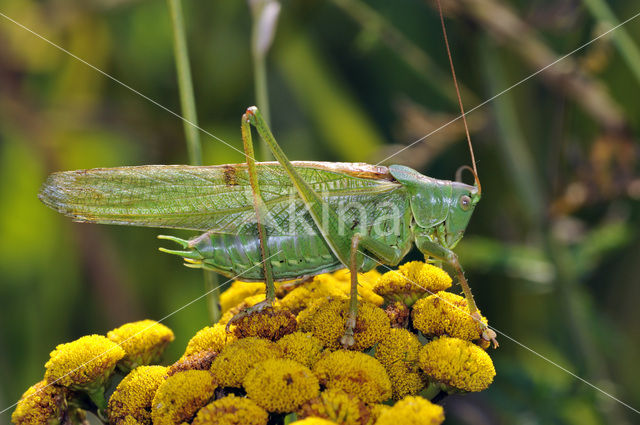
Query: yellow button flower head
{"points": [[131, 401], [411, 282], [305, 317], [313, 421], [281, 385], [237, 292], [143, 341], [457, 364], [269, 323], [41, 404], [412, 411], [199, 361], [321, 287], [338, 406], [301, 347], [366, 283], [232, 410], [236, 359], [356, 373], [210, 338], [445, 313], [376, 410], [328, 324], [398, 353], [180, 396], [87, 362]]}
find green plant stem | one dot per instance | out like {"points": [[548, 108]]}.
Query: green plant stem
{"points": [[260, 81], [516, 156], [262, 32], [623, 42], [192, 135], [185, 85], [375, 23]]}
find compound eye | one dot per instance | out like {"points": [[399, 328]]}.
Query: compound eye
{"points": [[465, 202]]}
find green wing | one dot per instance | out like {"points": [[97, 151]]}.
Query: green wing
{"points": [[207, 198]]}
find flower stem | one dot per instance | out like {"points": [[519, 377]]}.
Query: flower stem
{"points": [[192, 135]]}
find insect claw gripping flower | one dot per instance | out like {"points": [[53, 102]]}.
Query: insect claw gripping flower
{"points": [[143, 341], [281, 385], [269, 323], [199, 361], [85, 364], [458, 365], [209, 338], [327, 323]]}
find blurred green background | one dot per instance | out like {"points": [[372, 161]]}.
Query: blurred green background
{"points": [[552, 252]]}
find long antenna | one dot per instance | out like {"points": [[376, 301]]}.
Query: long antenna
{"points": [[455, 82]]}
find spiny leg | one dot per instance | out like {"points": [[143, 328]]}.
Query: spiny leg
{"points": [[383, 252], [261, 214], [488, 334], [440, 252], [347, 339]]}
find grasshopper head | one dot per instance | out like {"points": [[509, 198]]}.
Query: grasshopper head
{"points": [[463, 201], [438, 204]]}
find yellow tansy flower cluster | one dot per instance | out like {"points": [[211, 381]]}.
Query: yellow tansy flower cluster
{"points": [[86, 363], [445, 313], [398, 353], [211, 338], [131, 401], [458, 364], [302, 347], [232, 410], [180, 396], [356, 373], [327, 323], [236, 359], [42, 403], [412, 411], [280, 363], [143, 341], [411, 282], [338, 406], [281, 385]]}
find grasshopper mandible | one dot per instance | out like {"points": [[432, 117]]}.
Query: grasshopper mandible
{"points": [[291, 209]]}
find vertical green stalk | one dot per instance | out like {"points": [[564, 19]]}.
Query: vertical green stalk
{"points": [[621, 38], [191, 131], [265, 20], [516, 156]]}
